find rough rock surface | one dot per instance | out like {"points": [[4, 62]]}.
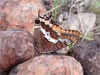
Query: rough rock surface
{"points": [[88, 53], [83, 22], [15, 47], [49, 65], [20, 14], [78, 5]]}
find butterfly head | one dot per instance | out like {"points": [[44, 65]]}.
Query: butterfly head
{"points": [[43, 18]]}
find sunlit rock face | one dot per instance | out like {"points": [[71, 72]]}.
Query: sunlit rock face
{"points": [[19, 14], [49, 65]]}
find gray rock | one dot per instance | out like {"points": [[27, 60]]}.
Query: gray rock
{"points": [[88, 53], [83, 22], [78, 5]]}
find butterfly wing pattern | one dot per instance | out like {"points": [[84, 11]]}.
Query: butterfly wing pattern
{"points": [[49, 36]]}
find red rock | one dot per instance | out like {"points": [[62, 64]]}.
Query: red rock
{"points": [[15, 47], [21, 13], [49, 65]]}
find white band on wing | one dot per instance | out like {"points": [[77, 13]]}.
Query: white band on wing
{"points": [[47, 36]]}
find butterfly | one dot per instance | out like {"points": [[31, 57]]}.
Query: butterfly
{"points": [[50, 37]]}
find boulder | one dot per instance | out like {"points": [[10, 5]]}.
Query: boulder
{"points": [[15, 47], [49, 65]]}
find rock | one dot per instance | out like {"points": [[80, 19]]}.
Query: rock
{"points": [[49, 65], [63, 16], [15, 47], [78, 5], [48, 4], [20, 14], [3, 74], [83, 22], [88, 53], [97, 22], [86, 20], [63, 51]]}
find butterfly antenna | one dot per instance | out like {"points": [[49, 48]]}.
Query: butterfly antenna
{"points": [[39, 14], [48, 17]]}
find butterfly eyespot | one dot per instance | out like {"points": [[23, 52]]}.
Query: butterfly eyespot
{"points": [[37, 21], [48, 33]]}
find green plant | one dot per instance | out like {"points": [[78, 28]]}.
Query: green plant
{"points": [[57, 4], [95, 7], [54, 12]]}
